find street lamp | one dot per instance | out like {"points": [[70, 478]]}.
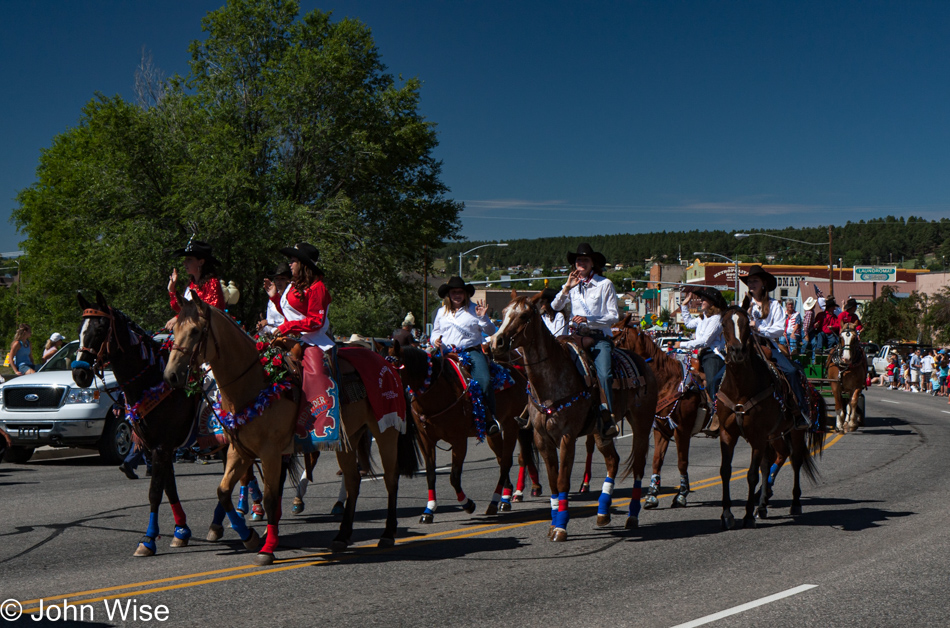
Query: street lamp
{"points": [[735, 297], [831, 266], [475, 249]]}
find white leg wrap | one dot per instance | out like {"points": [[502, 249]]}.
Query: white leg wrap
{"points": [[608, 488], [342, 496]]}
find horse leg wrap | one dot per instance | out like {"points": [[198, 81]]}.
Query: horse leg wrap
{"points": [[242, 499], [152, 529], [463, 500], [606, 497], [238, 525], [302, 486], [533, 474], [654, 484], [520, 486], [218, 517], [773, 473], [684, 484], [562, 513], [496, 496], [635, 499], [255, 490], [553, 510], [430, 505], [182, 532], [270, 543], [179, 513], [506, 496]]}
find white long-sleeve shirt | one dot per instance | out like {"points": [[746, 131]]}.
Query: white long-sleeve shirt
{"points": [[558, 326], [274, 318], [594, 299], [462, 328], [708, 333], [772, 327], [689, 321]]}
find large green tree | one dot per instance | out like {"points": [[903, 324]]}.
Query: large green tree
{"points": [[287, 128]]}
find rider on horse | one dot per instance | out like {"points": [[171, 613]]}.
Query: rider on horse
{"points": [[767, 318], [274, 319], [594, 311], [708, 339], [849, 316], [200, 264], [553, 319], [460, 324]]}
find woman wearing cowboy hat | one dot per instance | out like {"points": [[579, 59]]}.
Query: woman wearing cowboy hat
{"points": [[305, 304], [200, 264], [709, 339], [553, 319], [281, 281], [594, 308], [826, 325], [460, 323], [767, 318], [849, 315]]}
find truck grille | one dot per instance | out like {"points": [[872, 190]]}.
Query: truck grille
{"points": [[15, 398]]}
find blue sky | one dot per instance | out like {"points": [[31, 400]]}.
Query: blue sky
{"points": [[560, 118]]}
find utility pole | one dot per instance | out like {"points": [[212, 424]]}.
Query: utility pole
{"points": [[831, 267]]}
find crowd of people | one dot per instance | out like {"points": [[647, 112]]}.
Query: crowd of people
{"points": [[923, 371]]}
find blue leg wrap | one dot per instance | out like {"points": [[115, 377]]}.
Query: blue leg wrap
{"points": [[182, 533], [563, 516], [506, 499], [218, 517], [635, 499], [238, 525], [773, 473], [255, 490], [606, 499], [428, 511], [152, 530], [242, 499]]}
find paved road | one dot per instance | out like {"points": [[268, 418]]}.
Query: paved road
{"points": [[872, 540]]}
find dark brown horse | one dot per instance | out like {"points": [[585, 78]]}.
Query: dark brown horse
{"points": [[443, 410], [752, 404], [847, 370], [162, 419], [681, 401], [567, 409]]}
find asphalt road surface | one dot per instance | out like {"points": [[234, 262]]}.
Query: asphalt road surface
{"points": [[870, 549]]}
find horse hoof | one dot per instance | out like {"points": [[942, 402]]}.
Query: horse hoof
{"points": [[632, 523], [176, 542], [386, 542], [650, 502], [536, 491], [504, 507], [253, 542], [559, 536], [748, 523], [263, 559], [762, 513], [427, 517], [550, 532], [143, 550], [215, 532], [469, 507], [795, 510], [679, 501], [298, 506], [492, 509], [585, 488], [517, 498], [337, 509], [603, 520], [728, 522], [339, 546]]}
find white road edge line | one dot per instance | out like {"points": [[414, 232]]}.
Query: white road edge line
{"points": [[946, 411], [889, 401], [708, 619]]}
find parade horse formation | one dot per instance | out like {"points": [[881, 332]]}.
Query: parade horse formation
{"points": [[553, 386]]}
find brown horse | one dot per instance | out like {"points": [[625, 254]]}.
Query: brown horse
{"points": [[205, 334], [677, 413], [847, 370], [443, 410], [751, 405], [567, 409]]}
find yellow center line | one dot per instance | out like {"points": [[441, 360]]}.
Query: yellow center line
{"points": [[326, 558]]}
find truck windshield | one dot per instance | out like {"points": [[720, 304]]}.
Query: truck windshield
{"points": [[62, 358]]}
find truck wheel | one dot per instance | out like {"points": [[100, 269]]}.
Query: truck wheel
{"points": [[18, 455], [116, 440]]}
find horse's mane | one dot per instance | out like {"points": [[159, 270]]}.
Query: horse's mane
{"points": [[133, 327], [415, 362], [669, 366]]}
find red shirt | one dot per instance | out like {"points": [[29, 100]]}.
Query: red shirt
{"points": [[209, 291], [846, 317], [829, 323], [312, 304]]}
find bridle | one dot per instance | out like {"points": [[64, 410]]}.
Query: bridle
{"points": [[105, 348], [523, 332], [200, 346]]}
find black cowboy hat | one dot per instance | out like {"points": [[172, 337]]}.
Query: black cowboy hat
{"points": [[713, 296], [585, 250], [282, 270], [549, 294], [850, 304], [830, 303], [767, 278], [306, 253], [198, 249], [456, 282]]}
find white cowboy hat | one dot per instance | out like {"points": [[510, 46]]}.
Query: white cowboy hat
{"points": [[356, 338], [410, 320], [809, 303]]}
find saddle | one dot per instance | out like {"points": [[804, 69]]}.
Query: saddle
{"points": [[782, 386], [350, 384], [626, 374]]}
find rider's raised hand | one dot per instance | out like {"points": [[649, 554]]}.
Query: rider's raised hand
{"points": [[481, 309], [173, 280], [270, 288]]}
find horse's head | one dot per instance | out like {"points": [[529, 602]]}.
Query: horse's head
{"points": [[516, 319], [94, 333], [850, 342], [627, 335], [737, 332], [190, 332]]}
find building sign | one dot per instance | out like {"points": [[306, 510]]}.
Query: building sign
{"points": [[875, 273]]}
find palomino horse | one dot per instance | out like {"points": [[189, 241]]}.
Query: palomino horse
{"points": [[205, 334], [676, 413], [751, 405], [163, 419], [567, 408], [443, 410], [847, 370]]}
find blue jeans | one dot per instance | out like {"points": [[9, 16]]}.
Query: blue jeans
{"points": [[605, 371], [793, 375], [482, 374], [714, 369]]}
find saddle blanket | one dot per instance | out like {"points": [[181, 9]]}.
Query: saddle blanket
{"points": [[383, 386]]}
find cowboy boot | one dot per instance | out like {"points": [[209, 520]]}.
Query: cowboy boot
{"points": [[607, 423]]}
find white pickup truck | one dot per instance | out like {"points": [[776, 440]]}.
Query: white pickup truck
{"points": [[903, 349], [48, 408]]}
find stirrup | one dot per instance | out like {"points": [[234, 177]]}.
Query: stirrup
{"points": [[492, 427], [607, 425]]}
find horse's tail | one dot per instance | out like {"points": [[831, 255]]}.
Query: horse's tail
{"points": [[529, 452], [816, 438], [407, 449]]}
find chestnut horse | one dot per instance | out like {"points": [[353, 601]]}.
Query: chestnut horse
{"points": [[676, 413], [108, 336], [847, 370], [567, 409], [206, 334], [442, 410], [751, 405]]}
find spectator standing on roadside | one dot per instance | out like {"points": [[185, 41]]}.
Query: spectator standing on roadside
{"points": [[808, 336], [926, 369], [892, 372], [54, 344], [21, 351], [942, 378], [793, 327], [915, 362]]}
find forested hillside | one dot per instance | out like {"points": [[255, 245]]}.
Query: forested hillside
{"points": [[914, 241]]}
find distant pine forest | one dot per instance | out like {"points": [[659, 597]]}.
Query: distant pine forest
{"points": [[909, 243]]}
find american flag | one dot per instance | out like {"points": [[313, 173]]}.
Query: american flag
{"points": [[818, 293]]}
